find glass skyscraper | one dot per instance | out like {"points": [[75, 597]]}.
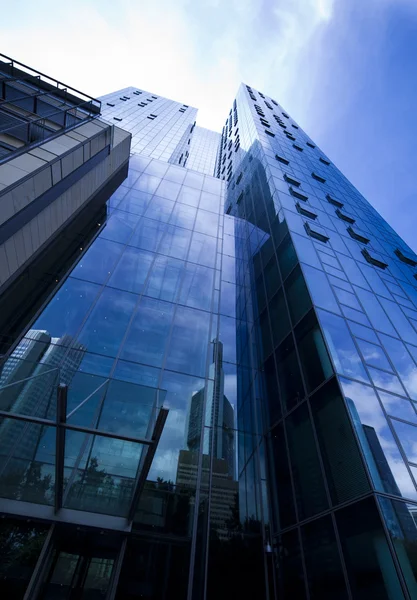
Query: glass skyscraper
{"points": [[218, 395]]}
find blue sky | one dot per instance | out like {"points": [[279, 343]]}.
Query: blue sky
{"points": [[344, 69]]}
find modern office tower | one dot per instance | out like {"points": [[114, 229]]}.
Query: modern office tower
{"points": [[266, 303], [204, 147], [58, 163]]}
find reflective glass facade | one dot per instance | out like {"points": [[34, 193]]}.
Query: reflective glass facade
{"points": [[219, 397]]}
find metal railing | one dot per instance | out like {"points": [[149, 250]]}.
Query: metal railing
{"points": [[16, 67]]}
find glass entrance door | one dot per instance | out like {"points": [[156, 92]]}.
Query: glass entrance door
{"points": [[78, 576]]}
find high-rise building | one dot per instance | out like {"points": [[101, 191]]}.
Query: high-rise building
{"points": [[238, 347]]}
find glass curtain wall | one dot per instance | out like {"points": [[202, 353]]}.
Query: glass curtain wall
{"points": [[153, 314], [336, 305]]}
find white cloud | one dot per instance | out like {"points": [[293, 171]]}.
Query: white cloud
{"points": [[197, 53]]}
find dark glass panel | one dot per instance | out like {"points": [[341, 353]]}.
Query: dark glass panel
{"points": [[281, 480], [308, 480], [272, 390], [345, 471], [265, 330], [289, 376], [287, 257], [280, 323], [290, 575], [151, 569], [400, 519], [272, 278], [325, 578], [367, 556], [298, 298], [315, 361], [20, 545]]}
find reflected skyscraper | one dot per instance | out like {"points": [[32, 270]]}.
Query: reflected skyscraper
{"points": [[215, 413], [215, 392]]}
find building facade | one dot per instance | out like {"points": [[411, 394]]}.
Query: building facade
{"points": [[217, 396]]}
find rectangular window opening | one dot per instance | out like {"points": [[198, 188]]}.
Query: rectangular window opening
{"points": [[291, 180], [344, 217], [318, 177], [334, 201], [373, 261], [298, 194], [282, 160], [358, 236]]}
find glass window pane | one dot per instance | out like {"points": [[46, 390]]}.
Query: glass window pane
{"points": [[367, 556], [282, 490], [67, 309], [132, 270], [363, 332], [315, 361], [107, 323], [388, 471], [197, 287], [400, 520], [375, 312], [324, 570], [119, 227], [160, 209], [347, 298], [165, 278], [148, 234], [175, 242], [403, 362], [310, 493], [203, 249], [306, 251], [148, 333], [287, 256], [298, 297], [386, 381], [321, 292], [290, 570], [280, 322], [289, 376], [398, 407], [98, 262], [227, 334], [189, 339], [345, 470], [189, 196], [345, 356], [135, 202], [168, 189], [183, 216], [374, 355], [206, 222]]}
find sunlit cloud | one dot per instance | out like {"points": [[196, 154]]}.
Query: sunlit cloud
{"points": [[181, 50]]}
